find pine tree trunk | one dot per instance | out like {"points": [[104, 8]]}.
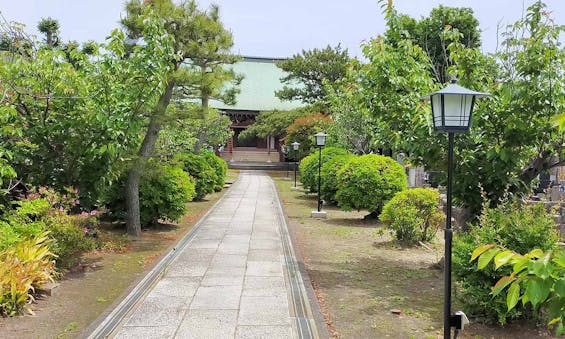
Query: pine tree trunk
{"points": [[133, 218]]}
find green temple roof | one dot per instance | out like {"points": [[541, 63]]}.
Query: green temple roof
{"points": [[257, 90]]}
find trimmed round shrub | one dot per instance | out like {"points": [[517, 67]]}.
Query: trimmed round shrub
{"points": [[517, 228], [164, 193], [204, 175], [309, 166], [367, 182], [413, 215], [220, 167], [329, 176]]}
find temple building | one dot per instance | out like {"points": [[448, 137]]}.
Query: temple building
{"points": [[257, 94]]}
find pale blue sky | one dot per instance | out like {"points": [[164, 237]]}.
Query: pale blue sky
{"points": [[271, 28]]}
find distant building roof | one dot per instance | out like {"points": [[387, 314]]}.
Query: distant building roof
{"points": [[257, 90]]}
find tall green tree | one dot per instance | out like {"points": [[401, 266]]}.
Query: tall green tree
{"points": [[49, 27], [75, 123], [307, 72], [511, 140], [190, 30], [430, 34]]}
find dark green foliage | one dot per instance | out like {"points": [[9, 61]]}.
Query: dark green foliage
{"points": [[311, 69], [164, 193], [329, 176], [429, 34], [272, 123], [517, 228], [204, 175], [413, 215], [220, 167], [309, 166], [368, 182]]}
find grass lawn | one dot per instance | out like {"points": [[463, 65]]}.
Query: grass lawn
{"points": [[367, 285]]}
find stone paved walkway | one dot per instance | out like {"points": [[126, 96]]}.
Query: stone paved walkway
{"points": [[232, 280]]}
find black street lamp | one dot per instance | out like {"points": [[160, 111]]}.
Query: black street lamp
{"points": [[295, 146], [452, 108], [320, 143]]}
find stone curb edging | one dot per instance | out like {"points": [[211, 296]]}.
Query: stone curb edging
{"points": [[310, 323]]}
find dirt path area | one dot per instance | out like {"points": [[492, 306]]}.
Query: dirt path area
{"points": [[100, 282], [369, 287]]}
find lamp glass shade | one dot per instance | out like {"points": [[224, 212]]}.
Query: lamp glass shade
{"points": [[452, 112], [452, 107], [295, 145], [320, 139]]}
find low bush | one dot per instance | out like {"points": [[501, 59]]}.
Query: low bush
{"points": [[517, 228], [309, 166], [26, 265], [368, 182], [220, 167], [70, 235], [198, 168], [329, 176], [164, 193], [413, 215]]}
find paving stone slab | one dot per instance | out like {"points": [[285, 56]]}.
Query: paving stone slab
{"points": [[264, 287], [263, 311], [264, 244], [263, 332], [229, 260], [176, 287], [217, 298], [189, 269], [264, 269], [208, 324], [265, 255], [146, 332], [222, 279], [159, 311]]}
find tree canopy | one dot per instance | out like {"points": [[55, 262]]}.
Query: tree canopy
{"points": [[308, 71]]}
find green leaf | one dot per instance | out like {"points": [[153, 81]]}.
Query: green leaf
{"points": [[513, 295], [553, 321], [502, 258], [520, 264], [536, 253], [486, 257], [502, 283], [559, 287], [537, 290], [480, 250]]}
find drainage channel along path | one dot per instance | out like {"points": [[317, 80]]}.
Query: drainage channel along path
{"points": [[234, 276]]}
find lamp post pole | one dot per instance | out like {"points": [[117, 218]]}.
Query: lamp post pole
{"points": [[295, 146], [295, 166], [448, 243], [319, 178], [452, 108], [320, 139]]}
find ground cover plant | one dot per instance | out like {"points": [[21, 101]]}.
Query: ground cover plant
{"points": [[519, 228], [536, 279]]}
